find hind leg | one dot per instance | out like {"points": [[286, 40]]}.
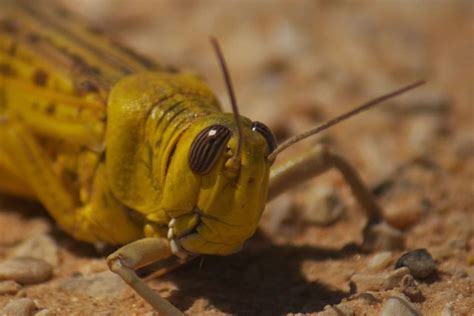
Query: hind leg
{"points": [[93, 220], [97, 220], [377, 234], [12, 182], [33, 165]]}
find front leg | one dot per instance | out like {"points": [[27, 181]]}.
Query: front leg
{"points": [[377, 234], [138, 254]]}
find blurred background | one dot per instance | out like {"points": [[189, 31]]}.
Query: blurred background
{"points": [[295, 64]]}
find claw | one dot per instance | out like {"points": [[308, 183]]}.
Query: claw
{"points": [[170, 234], [177, 250]]}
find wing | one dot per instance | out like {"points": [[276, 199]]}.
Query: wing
{"points": [[57, 71]]}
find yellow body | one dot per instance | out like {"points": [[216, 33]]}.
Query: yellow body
{"points": [[102, 136]]}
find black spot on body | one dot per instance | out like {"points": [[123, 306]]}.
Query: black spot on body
{"points": [[94, 70], [88, 87], [33, 38], [12, 49], [82, 64], [171, 69], [51, 109], [7, 70], [62, 12], [75, 57], [3, 102], [40, 77], [158, 143], [143, 60], [9, 26], [94, 30]]}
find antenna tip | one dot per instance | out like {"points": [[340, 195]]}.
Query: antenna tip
{"points": [[418, 83], [213, 41]]}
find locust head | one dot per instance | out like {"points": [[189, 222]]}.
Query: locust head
{"points": [[229, 192]]}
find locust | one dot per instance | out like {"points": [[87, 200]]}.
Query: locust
{"points": [[123, 151]]}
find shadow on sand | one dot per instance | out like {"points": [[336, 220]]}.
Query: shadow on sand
{"points": [[264, 279]]}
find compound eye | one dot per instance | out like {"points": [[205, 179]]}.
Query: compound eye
{"points": [[207, 147], [266, 133]]}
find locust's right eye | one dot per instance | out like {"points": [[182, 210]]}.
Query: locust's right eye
{"points": [[267, 134], [207, 147]]}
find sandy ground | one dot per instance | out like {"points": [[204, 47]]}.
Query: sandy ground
{"points": [[295, 64]]}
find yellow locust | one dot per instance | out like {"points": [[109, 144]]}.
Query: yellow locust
{"points": [[123, 151]]}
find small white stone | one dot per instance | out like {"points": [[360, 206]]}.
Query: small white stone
{"points": [[98, 285], [383, 237], [448, 310], [40, 246], [337, 310], [43, 312], [19, 307], [25, 270], [380, 261], [94, 266], [9, 287], [376, 281], [322, 205], [399, 306]]}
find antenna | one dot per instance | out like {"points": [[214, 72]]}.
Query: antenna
{"points": [[292, 140], [220, 57]]}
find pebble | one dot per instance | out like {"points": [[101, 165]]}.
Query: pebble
{"points": [[410, 289], [279, 210], [372, 282], [321, 205], [399, 306], [43, 312], [25, 270], [423, 133], [380, 261], [99, 285], [419, 262], [10, 234], [337, 310], [382, 237], [19, 307], [369, 297], [94, 266], [425, 102], [448, 310], [9, 287], [403, 213], [40, 246]]}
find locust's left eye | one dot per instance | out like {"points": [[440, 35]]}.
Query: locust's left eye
{"points": [[207, 147], [266, 133]]}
